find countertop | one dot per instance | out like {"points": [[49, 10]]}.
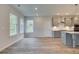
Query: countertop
{"points": [[61, 29], [71, 32], [65, 30]]}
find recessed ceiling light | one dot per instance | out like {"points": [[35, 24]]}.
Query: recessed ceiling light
{"points": [[18, 5], [36, 8]]}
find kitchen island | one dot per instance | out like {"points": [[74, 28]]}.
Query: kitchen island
{"points": [[70, 38]]}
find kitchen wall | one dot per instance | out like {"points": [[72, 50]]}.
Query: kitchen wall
{"points": [[5, 39], [42, 26]]}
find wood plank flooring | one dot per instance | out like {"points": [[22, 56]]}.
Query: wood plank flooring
{"points": [[40, 46]]}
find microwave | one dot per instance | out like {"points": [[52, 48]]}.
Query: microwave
{"points": [[76, 27]]}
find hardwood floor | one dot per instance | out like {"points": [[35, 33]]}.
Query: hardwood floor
{"points": [[40, 46]]}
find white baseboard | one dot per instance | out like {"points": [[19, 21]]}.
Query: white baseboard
{"points": [[9, 44]]}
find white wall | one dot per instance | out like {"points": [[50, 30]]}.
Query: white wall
{"points": [[42, 26], [5, 39]]}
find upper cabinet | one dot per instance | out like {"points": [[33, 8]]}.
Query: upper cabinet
{"points": [[76, 20], [55, 21], [68, 21], [65, 20]]}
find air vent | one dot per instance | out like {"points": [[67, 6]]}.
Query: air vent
{"points": [[76, 4]]}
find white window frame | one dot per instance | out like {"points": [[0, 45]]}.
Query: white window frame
{"points": [[21, 25], [13, 24], [27, 28]]}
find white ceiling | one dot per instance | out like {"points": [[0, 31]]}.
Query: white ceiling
{"points": [[48, 9]]}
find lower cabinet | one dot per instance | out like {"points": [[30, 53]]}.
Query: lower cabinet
{"points": [[69, 40], [56, 34], [63, 37], [66, 39]]}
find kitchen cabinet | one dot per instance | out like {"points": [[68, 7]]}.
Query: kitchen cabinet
{"points": [[56, 34]]}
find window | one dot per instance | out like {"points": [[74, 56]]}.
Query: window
{"points": [[29, 26], [21, 25], [13, 24]]}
